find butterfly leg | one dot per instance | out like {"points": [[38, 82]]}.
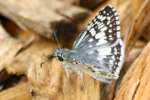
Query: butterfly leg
{"points": [[82, 79], [67, 73]]}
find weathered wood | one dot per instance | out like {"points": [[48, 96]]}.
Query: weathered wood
{"points": [[141, 20], [135, 84], [10, 47], [18, 92], [38, 15], [146, 33]]}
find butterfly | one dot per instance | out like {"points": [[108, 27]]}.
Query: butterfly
{"points": [[99, 49]]}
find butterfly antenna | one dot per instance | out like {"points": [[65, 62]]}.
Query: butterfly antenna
{"points": [[58, 44], [57, 41], [51, 56]]}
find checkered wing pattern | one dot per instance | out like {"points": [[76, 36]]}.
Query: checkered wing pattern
{"points": [[100, 45]]}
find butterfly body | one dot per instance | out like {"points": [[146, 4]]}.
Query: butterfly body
{"points": [[99, 50]]}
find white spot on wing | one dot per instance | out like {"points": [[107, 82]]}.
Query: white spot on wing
{"points": [[117, 22], [111, 38], [115, 52], [113, 57], [99, 35], [117, 18], [111, 62], [104, 28], [101, 41], [116, 63], [118, 34], [104, 51], [103, 18], [113, 9], [110, 25], [90, 40], [115, 14], [110, 31], [118, 27], [100, 25], [90, 46], [99, 17], [89, 26], [108, 22], [108, 18], [93, 32], [91, 52]]}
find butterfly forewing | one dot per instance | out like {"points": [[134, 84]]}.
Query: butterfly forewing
{"points": [[104, 29]]}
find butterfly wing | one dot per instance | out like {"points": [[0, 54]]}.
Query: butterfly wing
{"points": [[103, 63], [100, 45], [103, 29]]}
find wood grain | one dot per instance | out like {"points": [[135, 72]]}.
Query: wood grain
{"points": [[19, 92], [135, 84]]}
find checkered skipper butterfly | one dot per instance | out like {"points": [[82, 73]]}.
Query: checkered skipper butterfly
{"points": [[99, 50]]}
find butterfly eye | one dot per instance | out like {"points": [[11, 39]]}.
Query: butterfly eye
{"points": [[60, 58]]}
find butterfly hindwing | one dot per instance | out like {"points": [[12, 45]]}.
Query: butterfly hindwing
{"points": [[111, 59], [108, 59]]}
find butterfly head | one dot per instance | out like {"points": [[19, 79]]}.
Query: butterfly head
{"points": [[61, 54]]}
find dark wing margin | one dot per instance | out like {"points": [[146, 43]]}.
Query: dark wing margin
{"points": [[103, 29]]}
